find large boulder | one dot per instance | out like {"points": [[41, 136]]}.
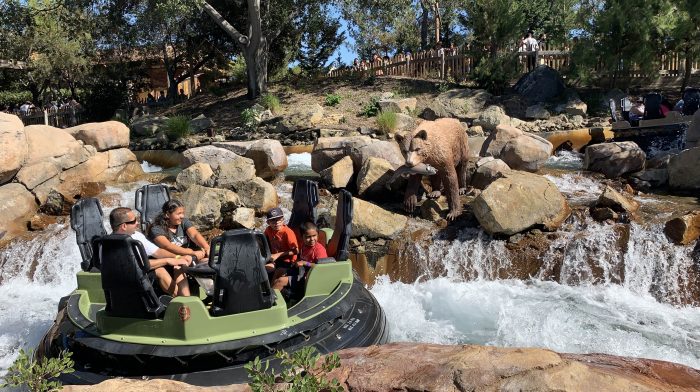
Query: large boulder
{"points": [[267, 154], [402, 105], [212, 155], [373, 221], [685, 229], [537, 112], [492, 117], [257, 194], [303, 116], [692, 135], [234, 172], [519, 150], [339, 174], [148, 125], [198, 174], [457, 103], [120, 157], [37, 173], [48, 143], [684, 170], [388, 150], [103, 135], [373, 177], [16, 203], [200, 123], [13, 145], [614, 159], [329, 150], [488, 170], [526, 152], [242, 217], [541, 85], [206, 206], [520, 201]]}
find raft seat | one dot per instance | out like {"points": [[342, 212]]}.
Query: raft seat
{"points": [[86, 220], [125, 278], [149, 200]]}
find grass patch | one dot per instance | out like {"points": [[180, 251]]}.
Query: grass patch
{"points": [[270, 101], [178, 127], [332, 99], [249, 118], [386, 122]]}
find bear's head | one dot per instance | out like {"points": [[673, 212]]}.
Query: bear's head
{"points": [[413, 146]]}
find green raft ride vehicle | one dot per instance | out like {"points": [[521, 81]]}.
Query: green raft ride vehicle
{"points": [[116, 324]]}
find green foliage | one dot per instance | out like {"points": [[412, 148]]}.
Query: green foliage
{"points": [[495, 73], [300, 372], [332, 99], [178, 127], [270, 101], [250, 118], [36, 375], [371, 108], [319, 38], [14, 97], [235, 71], [386, 122]]}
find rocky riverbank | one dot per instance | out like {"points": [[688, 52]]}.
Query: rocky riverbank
{"points": [[427, 367]]}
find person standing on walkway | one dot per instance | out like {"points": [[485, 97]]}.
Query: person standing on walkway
{"points": [[531, 47]]}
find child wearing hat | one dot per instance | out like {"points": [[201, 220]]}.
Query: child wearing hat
{"points": [[283, 242]]}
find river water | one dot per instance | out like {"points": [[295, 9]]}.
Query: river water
{"points": [[633, 316]]}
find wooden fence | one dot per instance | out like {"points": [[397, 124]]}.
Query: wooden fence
{"points": [[59, 118], [456, 64]]}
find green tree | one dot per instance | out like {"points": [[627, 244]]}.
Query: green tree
{"points": [[319, 37], [53, 38], [679, 22]]}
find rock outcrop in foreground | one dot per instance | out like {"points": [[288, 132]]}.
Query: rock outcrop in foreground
{"points": [[430, 367]]}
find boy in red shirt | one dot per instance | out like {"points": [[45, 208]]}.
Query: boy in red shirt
{"points": [[283, 242], [311, 252]]}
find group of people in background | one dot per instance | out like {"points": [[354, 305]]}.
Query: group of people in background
{"points": [[28, 107]]}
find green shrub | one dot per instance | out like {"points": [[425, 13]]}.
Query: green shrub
{"points": [[300, 372], [371, 108], [332, 99], [250, 118], [14, 97], [178, 127], [271, 102], [386, 122], [236, 71], [37, 375], [495, 74]]}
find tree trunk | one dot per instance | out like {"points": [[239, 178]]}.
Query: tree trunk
{"points": [[254, 47], [688, 70], [438, 21], [424, 27]]}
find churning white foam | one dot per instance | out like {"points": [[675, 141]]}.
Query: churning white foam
{"points": [[148, 167], [512, 313]]}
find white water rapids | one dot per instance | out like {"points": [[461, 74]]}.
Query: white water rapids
{"points": [[570, 315]]}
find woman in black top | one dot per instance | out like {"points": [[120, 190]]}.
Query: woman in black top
{"points": [[176, 234]]}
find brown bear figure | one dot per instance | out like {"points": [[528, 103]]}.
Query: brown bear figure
{"points": [[442, 144]]}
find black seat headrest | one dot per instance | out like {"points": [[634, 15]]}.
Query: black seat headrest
{"points": [[339, 244], [86, 220], [149, 202], [305, 197]]}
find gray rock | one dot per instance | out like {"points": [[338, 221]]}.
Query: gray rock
{"points": [[373, 221], [543, 84], [212, 155], [206, 206], [257, 194], [201, 123], [487, 171], [617, 202], [339, 174], [234, 172], [526, 152], [242, 217], [148, 125], [198, 174], [267, 154], [373, 177], [403, 105], [520, 201], [684, 170], [537, 112], [614, 159]]}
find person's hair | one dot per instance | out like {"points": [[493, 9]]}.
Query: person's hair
{"points": [[118, 216], [306, 226], [168, 208]]}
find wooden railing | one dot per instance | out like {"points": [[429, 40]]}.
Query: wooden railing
{"points": [[457, 65], [59, 118], [13, 64]]}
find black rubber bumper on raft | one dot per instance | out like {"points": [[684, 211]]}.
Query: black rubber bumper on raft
{"points": [[357, 321]]}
